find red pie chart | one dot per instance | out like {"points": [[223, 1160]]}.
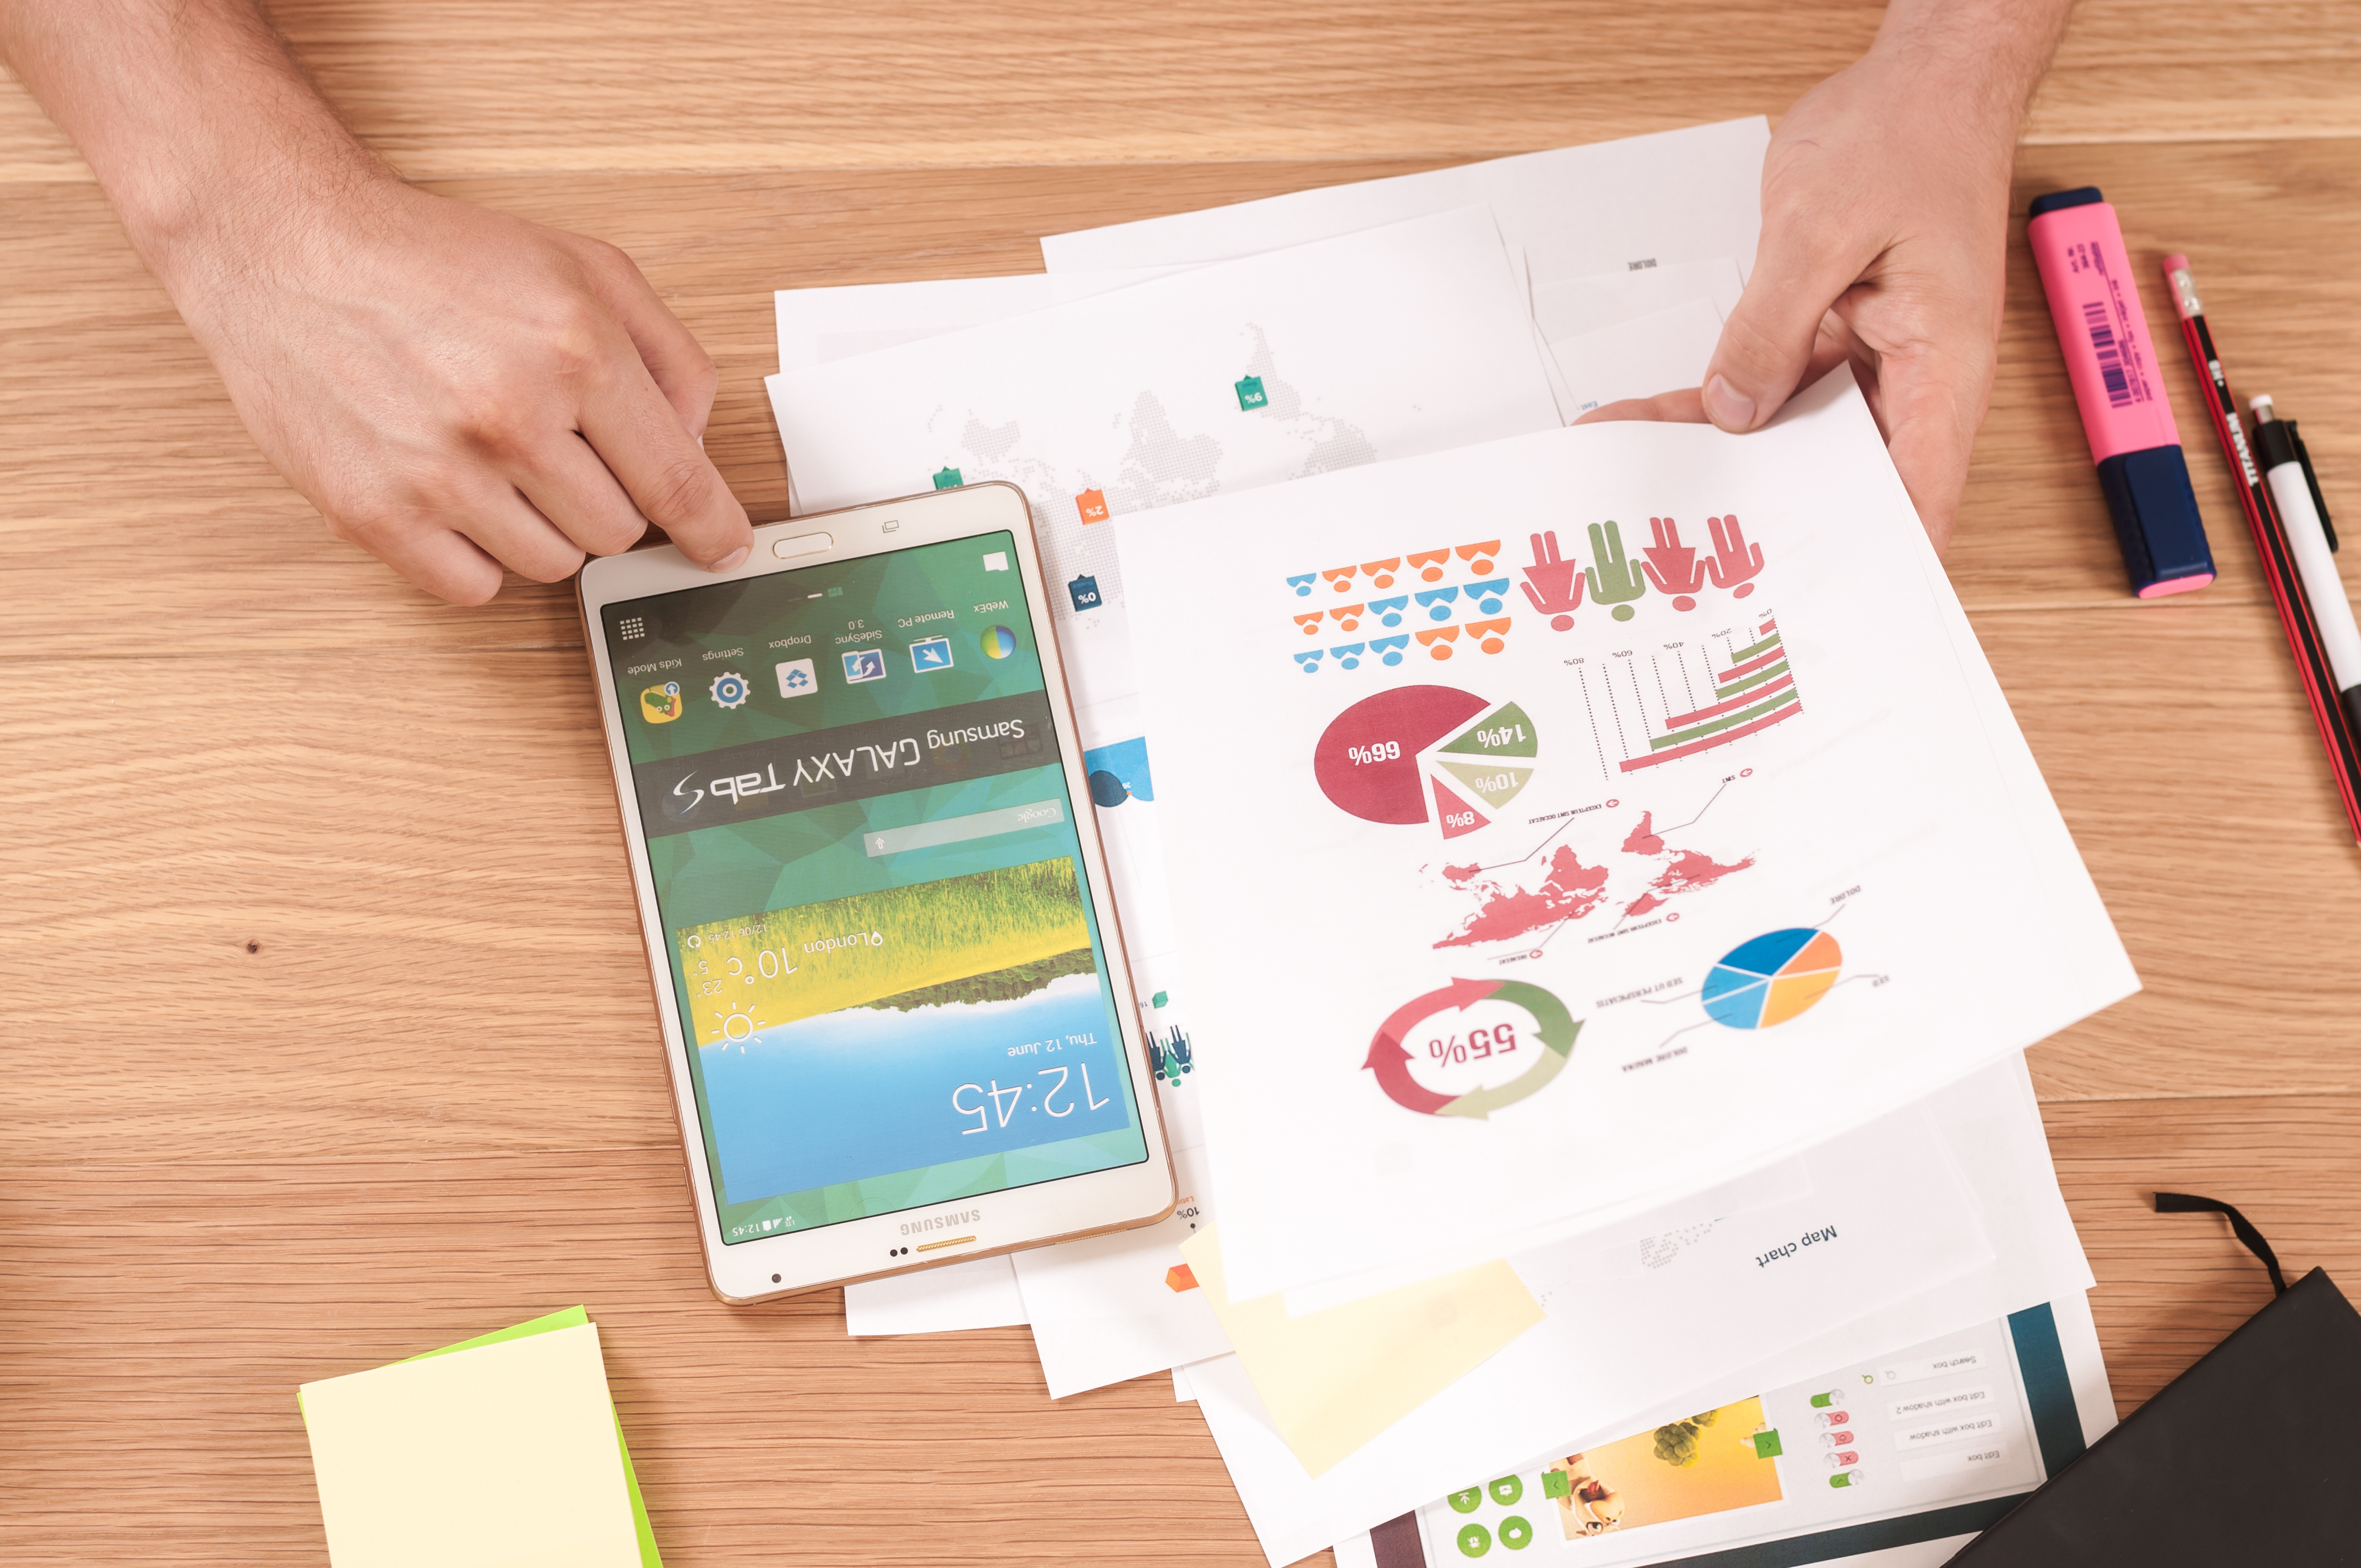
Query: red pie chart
{"points": [[1425, 753]]}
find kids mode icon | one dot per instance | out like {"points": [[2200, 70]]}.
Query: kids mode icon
{"points": [[864, 665], [662, 705]]}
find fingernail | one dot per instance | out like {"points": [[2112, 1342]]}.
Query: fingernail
{"points": [[1730, 408], [732, 562]]}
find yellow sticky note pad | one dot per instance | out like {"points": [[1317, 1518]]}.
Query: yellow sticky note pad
{"points": [[502, 1456], [1333, 1380]]}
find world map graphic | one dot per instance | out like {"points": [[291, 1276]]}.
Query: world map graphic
{"points": [[1644, 875]]}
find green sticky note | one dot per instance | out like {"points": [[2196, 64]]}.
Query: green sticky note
{"points": [[571, 1317]]}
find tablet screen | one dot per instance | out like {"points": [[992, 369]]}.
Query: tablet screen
{"points": [[889, 971]]}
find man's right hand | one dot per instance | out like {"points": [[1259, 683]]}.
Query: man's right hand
{"points": [[456, 389], [459, 390]]}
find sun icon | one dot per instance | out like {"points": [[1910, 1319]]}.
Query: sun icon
{"points": [[737, 1026]]}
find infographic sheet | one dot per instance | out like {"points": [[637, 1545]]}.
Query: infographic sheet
{"points": [[1659, 1317], [1206, 382], [1924, 1444], [1558, 826], [1230, 377], [1678, 196]]}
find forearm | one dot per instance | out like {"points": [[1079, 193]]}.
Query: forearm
{"points": [[1986, 57], [200, 127]]}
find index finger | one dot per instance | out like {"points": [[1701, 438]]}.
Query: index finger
{"points": [[1683, 407], [639, 435]]}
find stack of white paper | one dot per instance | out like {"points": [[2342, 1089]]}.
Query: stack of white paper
{"points": [[1193, 406]]}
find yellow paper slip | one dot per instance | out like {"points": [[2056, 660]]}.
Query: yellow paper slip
{"points": [[1333, 1380], [502, 1456]]}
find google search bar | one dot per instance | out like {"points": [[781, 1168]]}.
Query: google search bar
{"points": [[959, 830]]}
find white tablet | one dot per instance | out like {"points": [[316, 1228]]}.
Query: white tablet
{"points": [[887, 966]]}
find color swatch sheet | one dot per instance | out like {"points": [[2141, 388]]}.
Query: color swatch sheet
{"points": [[1701, 1303], [1622, 813], [1687, 195], [1910, 1450], [503, 1451]]}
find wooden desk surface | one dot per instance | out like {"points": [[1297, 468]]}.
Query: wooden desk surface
{"points": [[326, 1035]]}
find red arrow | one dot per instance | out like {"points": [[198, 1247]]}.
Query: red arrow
{"points": [[1390, 1060]]}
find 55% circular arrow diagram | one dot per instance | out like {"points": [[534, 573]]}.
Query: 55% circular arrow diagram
{"points": [[1390, 1057]]}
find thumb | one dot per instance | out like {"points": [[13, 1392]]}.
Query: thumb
{"points": [[1800, 270]]}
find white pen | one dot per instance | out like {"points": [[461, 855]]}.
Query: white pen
{"points": [[2315, 563]]}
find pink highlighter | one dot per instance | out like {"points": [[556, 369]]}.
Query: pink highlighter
{"points": [[2111, 360]]}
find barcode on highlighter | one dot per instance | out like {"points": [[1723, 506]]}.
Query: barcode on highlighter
{"points": [[2111, 360]]}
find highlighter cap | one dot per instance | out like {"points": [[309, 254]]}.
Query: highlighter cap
{"points": [[2156, 522]]}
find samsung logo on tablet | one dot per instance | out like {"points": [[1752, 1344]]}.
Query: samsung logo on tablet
{"points": [[942, 1222]]}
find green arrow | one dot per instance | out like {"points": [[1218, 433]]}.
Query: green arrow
{"points": [[1554, 1025], [1557, 1024]]}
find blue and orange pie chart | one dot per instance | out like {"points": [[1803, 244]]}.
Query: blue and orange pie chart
{"points": [[1772, 978]]}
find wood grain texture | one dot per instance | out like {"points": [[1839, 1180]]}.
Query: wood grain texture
{"points": [[301, 866], [451, 88], [148, 466]]}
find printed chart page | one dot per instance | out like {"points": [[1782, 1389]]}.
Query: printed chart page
{"points": [[1701, 1306], [1922, 1444], [1409, 339], [1614, 812], [842, 321], [1233, 376], [1689, 195]]}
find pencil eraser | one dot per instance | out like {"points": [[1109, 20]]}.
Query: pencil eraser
{"points": [[2156, 522]]}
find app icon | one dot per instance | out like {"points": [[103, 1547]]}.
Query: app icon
{"points": [[999, 643], [996, 562], [947, 478], [662, 705], [632, 628], [1085, 591], [1250, 393], [934, 654], [864, 665], [796, 677], [1093, 505], [729, 689]]}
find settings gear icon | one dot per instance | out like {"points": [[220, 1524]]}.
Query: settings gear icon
{"points": [[729, 689]]}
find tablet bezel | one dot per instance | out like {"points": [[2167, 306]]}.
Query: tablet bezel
{"points": [[1118, 1199]]}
